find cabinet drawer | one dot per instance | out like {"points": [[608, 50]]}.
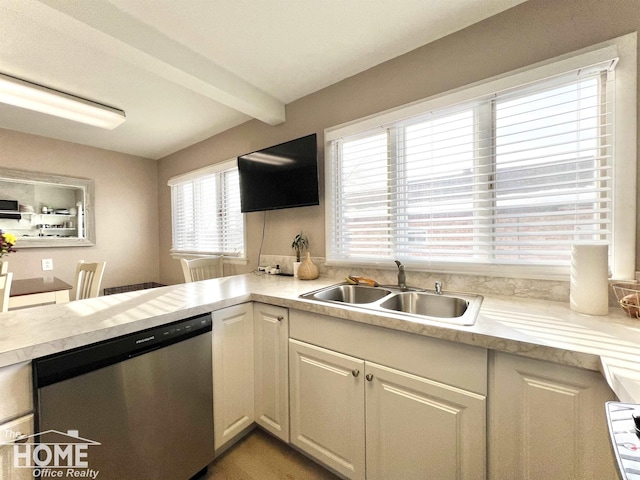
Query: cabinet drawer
{"points": [[16, 385]]}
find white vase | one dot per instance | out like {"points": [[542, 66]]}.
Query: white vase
{"points": [[308, 270], [4, 266], [296, 265]]}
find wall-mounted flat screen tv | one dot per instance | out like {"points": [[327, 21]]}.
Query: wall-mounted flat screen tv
{"points": [[282, 176]]}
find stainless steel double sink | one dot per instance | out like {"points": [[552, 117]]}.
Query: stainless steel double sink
{"points": [[455, 308]]}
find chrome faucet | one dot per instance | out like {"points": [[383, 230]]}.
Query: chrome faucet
{"points": [[438, 288], [402, 279]]}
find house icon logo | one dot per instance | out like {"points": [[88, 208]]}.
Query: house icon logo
{"points": [[52, 451]]}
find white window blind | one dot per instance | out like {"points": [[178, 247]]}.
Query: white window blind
{"points": [[514, 177], [206, 213]]}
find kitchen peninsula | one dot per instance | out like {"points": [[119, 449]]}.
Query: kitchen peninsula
{"points": [[532, 328], [507, 330]]}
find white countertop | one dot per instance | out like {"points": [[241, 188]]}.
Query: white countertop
{"points": [[532, 328]]}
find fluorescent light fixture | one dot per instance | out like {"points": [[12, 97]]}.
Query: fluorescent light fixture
{"points": [[23, 94]]}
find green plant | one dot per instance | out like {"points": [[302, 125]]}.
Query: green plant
{"points": [[300, 242]]}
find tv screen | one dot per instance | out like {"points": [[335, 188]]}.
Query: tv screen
{"points": [[282, 176]]}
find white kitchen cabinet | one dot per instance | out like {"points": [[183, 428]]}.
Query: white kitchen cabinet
{"points": [[271, 346], [448, 362], [327, 407], [9, 432], [233, 373], [547, 421], [418, 429], [16, 417], [16, 383], [413, 428]]}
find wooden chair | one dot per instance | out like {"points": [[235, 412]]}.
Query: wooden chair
{"points": [[5, 289], [88, 279], [201, 268]]}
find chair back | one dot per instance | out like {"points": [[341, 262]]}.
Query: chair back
{"points": [[5, 289], [88, 279], [201, 268]]}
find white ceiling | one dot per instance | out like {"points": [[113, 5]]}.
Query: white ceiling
{"points": [[184, 70]]}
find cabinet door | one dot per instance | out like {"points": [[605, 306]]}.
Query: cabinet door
{"points": [[547, 421], [419, 429], [271, 351], [17, 380], [20, 427], [327, 407], [233, 404]]}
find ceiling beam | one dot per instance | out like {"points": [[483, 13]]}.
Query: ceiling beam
{"points": [[117, 32]]}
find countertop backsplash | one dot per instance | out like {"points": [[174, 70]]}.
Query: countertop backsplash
{"points": [[553, 290]]}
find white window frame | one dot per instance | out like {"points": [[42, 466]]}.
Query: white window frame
{"points": [[193, 175], [623, 251]]}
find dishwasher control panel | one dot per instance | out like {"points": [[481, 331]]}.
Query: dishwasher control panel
{"points": [[624, 427], [71, 363], [171, 331]]}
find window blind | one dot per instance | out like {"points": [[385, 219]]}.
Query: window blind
{"points": [[514, 177], [206, 214]]}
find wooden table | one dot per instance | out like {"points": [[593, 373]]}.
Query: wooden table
{"points": [[29, 292]]}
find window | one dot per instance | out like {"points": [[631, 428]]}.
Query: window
{"points": [[503, 182], [205, 209]]}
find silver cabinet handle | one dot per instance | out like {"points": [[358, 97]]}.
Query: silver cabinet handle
{"points": [[279, 318], [355, 373], [369, 376]]}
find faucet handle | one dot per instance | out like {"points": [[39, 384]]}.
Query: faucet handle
{"points": [[438, 288], [400, 265]]}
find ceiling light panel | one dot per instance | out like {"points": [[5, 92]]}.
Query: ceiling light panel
{"points": [[23, 94]]}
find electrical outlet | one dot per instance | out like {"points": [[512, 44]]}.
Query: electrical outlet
{"points": [[47, 264]]}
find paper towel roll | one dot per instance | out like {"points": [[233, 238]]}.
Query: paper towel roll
{"points": [[589, 289]]}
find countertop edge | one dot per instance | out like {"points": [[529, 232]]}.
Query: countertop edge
{"points": [[535, 329]]}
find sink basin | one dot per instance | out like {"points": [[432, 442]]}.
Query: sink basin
{"points": [[349, 294], [458, 309], [428, 304]]}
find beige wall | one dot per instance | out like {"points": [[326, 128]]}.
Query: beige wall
{"points": [[126, 208], [531, 32], [132, 198]]}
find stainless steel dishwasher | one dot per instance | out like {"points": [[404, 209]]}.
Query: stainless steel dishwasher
{"points": [[146, 398]]}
